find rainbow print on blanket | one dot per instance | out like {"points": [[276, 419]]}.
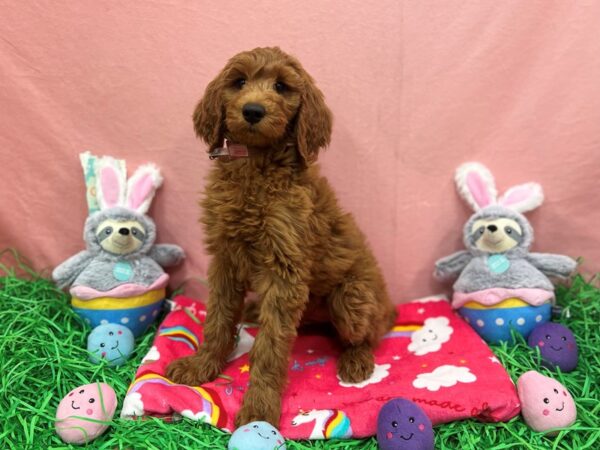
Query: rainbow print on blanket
{"points": [[204, 403]]}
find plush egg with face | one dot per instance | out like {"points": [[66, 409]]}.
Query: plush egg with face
{"points": [[256, 436], [402, 424], [85, 413], [557, 346], [545, 403], [112, 343]]}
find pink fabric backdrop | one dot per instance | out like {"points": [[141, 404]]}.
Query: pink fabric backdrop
{"points": [[416, 88]]}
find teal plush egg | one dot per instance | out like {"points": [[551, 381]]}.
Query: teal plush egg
{"points": [[494, 323], [256, 436], [112, 343]]}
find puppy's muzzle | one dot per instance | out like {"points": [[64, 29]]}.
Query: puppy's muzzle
{"points": [[253, 112]]}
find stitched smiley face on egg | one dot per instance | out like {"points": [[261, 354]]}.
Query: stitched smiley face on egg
{"points": [[545, 403], [401, 424], [111, 342], [257, 436], [557, 345], [80, 413]]}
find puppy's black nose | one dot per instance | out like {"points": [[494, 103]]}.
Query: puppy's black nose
{"points": [[124, 231], [253, 112], [492, 228]]}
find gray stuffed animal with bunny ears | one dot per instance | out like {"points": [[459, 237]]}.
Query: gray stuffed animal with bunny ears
{"points": [[121, 262], [497, 271]]}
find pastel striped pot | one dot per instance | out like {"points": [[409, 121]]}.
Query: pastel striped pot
{"points": [[137, 312], [494, 323]]}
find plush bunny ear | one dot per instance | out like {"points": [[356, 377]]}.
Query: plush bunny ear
{"points": [[142, 186], [110, 182], [476, 185], [523, 197]]}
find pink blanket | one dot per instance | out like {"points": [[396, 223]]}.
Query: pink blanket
{"points": [[431, 356]]}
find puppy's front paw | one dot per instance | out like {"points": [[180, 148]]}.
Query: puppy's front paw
{"points": [[194, 370], [355, 366], [264, 404]]}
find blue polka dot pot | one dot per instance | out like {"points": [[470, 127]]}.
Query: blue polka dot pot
{"points": [[136, 313], [494, 323]]}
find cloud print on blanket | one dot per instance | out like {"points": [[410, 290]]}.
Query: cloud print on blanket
{"points": [[435, 332], [379, 373], [444, 376]]}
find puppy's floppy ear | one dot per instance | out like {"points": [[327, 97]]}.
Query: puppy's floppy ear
{"points": [[313, 122], [209, 115]]}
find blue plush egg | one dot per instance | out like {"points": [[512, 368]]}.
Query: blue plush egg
{"points": [[256, 436], [111, 342], [402, 425], [557, 346]]}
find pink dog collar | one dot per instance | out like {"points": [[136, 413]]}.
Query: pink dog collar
{"points": [[229, 151]]}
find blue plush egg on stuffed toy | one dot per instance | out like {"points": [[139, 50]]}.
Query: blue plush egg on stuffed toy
{"points": [[111, 342], [402, 425], [557, 346], [256, 436]]}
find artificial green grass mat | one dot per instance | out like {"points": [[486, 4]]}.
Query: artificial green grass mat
{"points": [[42, 357]]}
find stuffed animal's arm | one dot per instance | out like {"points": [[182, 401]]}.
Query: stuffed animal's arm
{"points": [[167, 255], [65, 274], [452, 265], [553, 265]]}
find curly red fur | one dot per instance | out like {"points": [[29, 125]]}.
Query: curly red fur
{"points": [[274, 226]]}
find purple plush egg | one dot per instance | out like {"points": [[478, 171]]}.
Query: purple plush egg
{"points": [[557, 346], [401, 424]]}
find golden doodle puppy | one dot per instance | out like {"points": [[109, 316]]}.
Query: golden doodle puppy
{"points": [[273, 226]]}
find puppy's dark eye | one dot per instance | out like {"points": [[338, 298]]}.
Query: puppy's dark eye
{"points": [[280, 87], [564, 338], [395, 424], [110, 333], [546, 401], [91, 400], [274, 434], [102, 345], [411, 419], [556, 391], [239, 83], [547, 336]]}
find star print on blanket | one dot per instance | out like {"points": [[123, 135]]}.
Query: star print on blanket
{"points": [[431, 356]]}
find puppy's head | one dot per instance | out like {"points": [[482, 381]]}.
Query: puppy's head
{"points": [[263, 97]]}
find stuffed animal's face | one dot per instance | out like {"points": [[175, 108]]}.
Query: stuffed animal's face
{"points": [[120, 237], [496, 235]]}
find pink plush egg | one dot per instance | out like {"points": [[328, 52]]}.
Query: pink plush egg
{"points": [[78, 413], [545, 403]]}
